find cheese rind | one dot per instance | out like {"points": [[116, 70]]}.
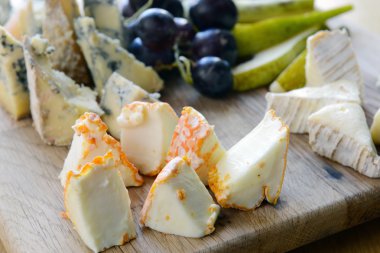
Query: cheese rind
{"points": [[254, 168], [340, 132], [178, 203], [146, 131], [295, 107], [56, 100], [119, 91], [14, 94], [98, 205], [91, 140], [105, 56]]}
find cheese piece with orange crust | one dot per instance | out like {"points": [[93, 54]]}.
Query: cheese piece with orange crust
{"points": [[196, 139], [146, 131], [98, 204], [178, 203], [254, 168], [91, 140]]}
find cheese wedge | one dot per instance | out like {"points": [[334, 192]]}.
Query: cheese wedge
{"points": [[57, 28], [254, 168], [98, 205], [14, 95], [91, 140], [56, 100], [178, 203], [196, 139], [146, 131], [5, 7], [330, 57], [340, 132], [295, 107], [105, 56], [375, 128], [118, 92]]}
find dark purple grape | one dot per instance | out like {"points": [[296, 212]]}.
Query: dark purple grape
{"points": [[173, 6], [127, 10], [207, 14], [150, 58], [157, 29], [212, 76], [129, 32], [185, 35], [215, 42]]}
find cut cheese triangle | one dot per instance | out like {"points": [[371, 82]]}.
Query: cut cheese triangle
{"points": [[375, 128], [340, 132], [196, 139], [254, 168], [56, 100], [105, 56], [146, 131], [14, 95], [119, 91], [178, 203], [295, 107], [98, 205], [330, 57], [91, 140]]}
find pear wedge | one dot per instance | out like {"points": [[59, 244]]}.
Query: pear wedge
{"points": [[253, 38], [253, 11], [375, 128], [267, 65], [293, 77]]}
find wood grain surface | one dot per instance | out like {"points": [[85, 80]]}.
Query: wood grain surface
{"points": [[319, 197]]}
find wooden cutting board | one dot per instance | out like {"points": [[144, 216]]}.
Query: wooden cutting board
{"points": [[319, 197]]}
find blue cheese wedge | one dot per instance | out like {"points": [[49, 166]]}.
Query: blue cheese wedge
{"points": [[178, 203], [5, 7], [254, 168], [118, 92], [295, 107], [91, 140], [340, 132], [14, 95], [56, 100], [195, 138], [98, 205], [105, 56], [146, 131]]}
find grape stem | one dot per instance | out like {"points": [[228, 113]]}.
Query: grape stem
{"points": [[138, 12], [184, 67]]}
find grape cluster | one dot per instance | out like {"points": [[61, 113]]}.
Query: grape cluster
{"points": [[206, 39]]}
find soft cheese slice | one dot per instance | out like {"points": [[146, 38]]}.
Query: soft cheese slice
{"points": [[295, 107], [196, 139], [58, 29], [14, 95], [340, 132], [98, 205], [254, 168], [146, 131], [91, 140], [330, 57], [375, 128], [178, 203], [119, 91], [56, 100], [105, 56]]}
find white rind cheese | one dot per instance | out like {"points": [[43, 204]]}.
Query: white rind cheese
{"points": [[56, 100], [14, 95], [195, 138], [340, 132], [98, 205], [118, 92], [91, 140], [146, 131], [254, 168], [295, 107], [178, 203], [105, 56]]}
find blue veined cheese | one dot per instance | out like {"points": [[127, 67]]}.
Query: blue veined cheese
{"points": [[5, 8], [105, 56], [56, 100], [14, 95], [118, 92]]}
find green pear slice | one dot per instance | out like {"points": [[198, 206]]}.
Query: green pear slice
{"points": [[267, 65], [375, 128], [253, 38]]}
